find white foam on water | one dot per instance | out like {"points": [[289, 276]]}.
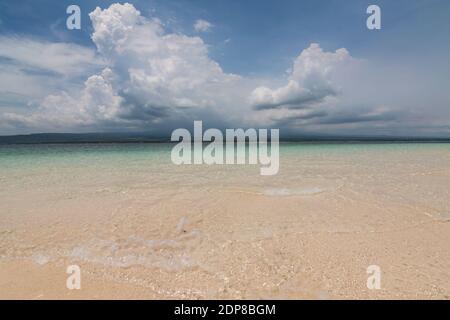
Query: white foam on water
{"points": [[289, 192], [166, 254], [181, 224], [40, 259], [444, 216]]}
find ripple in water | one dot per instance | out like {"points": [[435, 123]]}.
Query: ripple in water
{"points": [[444, 216], [289, 192], [167, 254]]}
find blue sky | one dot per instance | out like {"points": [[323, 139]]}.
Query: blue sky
{"points": [[387, 82]]}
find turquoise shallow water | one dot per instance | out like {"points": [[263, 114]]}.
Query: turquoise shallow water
{"points": [[412, 173], [15, 156], [421, 168]]}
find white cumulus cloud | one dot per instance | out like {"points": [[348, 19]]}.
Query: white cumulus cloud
{"points": [[201, 25], [150, 74], [309, 81], [156, 69]]}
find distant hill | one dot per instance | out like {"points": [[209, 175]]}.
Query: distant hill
{"points": [[149, 138], [80, 138]]}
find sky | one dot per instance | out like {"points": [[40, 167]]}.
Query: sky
{"points": [[304, 67]]}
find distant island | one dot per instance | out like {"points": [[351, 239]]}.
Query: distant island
{"points": [[44, 138]]}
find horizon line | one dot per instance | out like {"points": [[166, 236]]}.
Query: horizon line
{"points": [[145, 137]]}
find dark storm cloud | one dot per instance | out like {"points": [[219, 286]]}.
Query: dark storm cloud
{"points": [[353, 117], [289, 121], [302, 102]]}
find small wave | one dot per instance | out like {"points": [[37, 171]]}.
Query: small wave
{"points": [[289, 192], [444, 216], [40, 259], [167, 254]]}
